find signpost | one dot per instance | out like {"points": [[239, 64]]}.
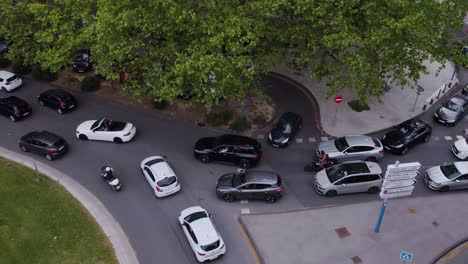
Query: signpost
{"points": [[406, 257], [338, 99], [398, 182]]}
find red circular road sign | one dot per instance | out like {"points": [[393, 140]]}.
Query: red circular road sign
{"points": [[338, 99]]}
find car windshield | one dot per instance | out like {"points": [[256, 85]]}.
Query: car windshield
{"points": [[195, 216], [341, 144], [166, 181], [95, 124], [238, 179], [211, 246], [452, 106], [339, 171], [450, 171], [405, 130], [12, 78]]}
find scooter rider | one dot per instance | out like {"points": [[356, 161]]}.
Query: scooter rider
{"points": [[107, 172], [324, 159]]}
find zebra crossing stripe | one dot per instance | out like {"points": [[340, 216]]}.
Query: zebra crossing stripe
{"points": [[324, 138], [311, 140], [436, 138], [299, 140], [448, 137], [460, 137], [245, 211]]}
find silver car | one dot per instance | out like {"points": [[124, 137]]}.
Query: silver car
{"points": [[351, 177], [351, 148], [450, 176]]}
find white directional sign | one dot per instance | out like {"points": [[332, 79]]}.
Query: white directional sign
{"points": [[399, 180]]}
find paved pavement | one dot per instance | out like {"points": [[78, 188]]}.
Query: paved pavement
{"points": [[422, 226], [123, 250]]}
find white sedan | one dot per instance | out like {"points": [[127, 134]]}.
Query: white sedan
{"points": [[201, 233], [460, 148], [160, 176], [106, 130]]}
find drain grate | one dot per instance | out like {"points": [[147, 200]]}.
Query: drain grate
{"points": [[342, 232], [356, 260], [435, 223]]}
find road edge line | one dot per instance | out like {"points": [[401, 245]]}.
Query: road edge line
{"points": [[250, 241]]}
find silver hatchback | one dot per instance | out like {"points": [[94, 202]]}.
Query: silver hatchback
{"points": [[351, 148], [351, 177]]}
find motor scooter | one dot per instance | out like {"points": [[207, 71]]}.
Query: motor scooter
{"points": [[107, 173]]}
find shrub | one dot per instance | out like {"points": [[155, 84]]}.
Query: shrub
{"points": [[358, 106], [259, 119], [21, 69], [4, 62], [89, 84], [160, 103], [43, 75], [240, 124], [220, 118]]}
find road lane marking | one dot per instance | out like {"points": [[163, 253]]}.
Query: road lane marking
{"points": [[460, 137], [299, 140], [245, 211], [436, 138], [311, 140], [251, 246], [324, 138], [244, 201], [448, 137]]}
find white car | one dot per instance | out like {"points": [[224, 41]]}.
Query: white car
{"points": [[201, 233], [9, 81], [460, 148], [107, 130], [160, 176]]}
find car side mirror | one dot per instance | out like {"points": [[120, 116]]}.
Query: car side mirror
{"points": [[210, 215], [457, 180]]}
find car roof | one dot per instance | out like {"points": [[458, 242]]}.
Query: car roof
{"points": [[415, 123], [204, 230], [359, 167], [5, 74], [458, 99], [236, 140], [360, 140], [160, 168], [46, 137], [462, 166], [259, 176]]}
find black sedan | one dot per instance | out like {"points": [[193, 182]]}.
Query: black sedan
{"points": [[285, 129], [406, 135], [43, 143], [81, 61], [58, 100], [14, 108], [452, 111]]}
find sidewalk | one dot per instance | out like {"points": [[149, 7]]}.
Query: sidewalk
{"points": [[423, 226], [399, 105]]}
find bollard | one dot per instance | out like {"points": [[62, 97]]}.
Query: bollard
{"points": [[432, 101], [424, 107]]}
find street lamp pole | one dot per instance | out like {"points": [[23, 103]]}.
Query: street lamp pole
{"points": [[418, 92]]}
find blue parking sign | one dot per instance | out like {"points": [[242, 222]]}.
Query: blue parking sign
{"points": [[406, 257]]}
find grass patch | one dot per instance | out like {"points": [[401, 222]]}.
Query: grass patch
{"points": [[358, 106], [40, 222]]}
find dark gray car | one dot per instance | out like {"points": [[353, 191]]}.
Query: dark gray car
{"points": [[452, 111], [246, 185]]}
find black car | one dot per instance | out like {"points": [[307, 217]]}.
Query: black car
{"points": [[81, 62], [247, 185], [43, 143], [58, 100], [285, 129], [233, 149], [452, 111], [3, 46], [465, 89], [14, 108], [406, 135]]}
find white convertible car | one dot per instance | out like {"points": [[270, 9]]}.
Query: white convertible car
{"points": [[107, 130]]}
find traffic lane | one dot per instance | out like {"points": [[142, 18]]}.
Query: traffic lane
{"points": [[289, 98]]}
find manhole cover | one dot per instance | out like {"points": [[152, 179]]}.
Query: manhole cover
{"points": [[342, 232], [435, 223], [356, 260]]}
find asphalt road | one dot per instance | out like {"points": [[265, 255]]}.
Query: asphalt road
{"points": [[151, 223]]}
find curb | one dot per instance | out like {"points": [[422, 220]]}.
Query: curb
{"points": [[116, 235], [252, 240], [447, 251]]}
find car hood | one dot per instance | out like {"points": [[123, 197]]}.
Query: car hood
{"points": [[328, 147], [393, 138], [446, 114], [321, 179], [461, 145], [205, 143], [85, 126], [436, 175], [225, 180]]}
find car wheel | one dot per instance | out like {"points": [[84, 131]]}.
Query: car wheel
{"points": [[12, 118], [404, 151], [331, 193], [374, 189], [118, 140], [244, 163], [23, 148], [204, 159], [83, 137], [270, 199], [371, 159], [426, 138], [228, 198], [41, 102], [60, 111], [444, 189], [48, 157]]}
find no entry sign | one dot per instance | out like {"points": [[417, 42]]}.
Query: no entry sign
{"points": [[338, 99]]}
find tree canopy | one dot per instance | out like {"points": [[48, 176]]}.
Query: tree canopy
{"points": [[222, 48]]}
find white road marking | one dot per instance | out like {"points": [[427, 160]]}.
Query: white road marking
{"points": [[245, 211], [260, 136], [311, 140], [448, 137], [299, 140], [460, 137], [244, 201], [435, 138], [324, 138]]}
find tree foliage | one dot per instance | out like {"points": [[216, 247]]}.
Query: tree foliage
{"points": [[222, 48]]}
